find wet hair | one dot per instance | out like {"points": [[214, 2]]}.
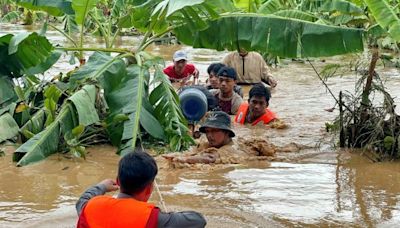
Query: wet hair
{"points": [[228, 72], [136, 170], [259, 90], [214, 67]]}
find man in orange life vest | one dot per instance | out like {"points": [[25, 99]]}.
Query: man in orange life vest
{"points": [[136, 174], [256, 111]]}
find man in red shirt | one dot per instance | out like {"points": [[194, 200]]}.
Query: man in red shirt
{"points": [[181, 71]]}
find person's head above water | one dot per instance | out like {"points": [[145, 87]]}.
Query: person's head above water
{"points": [[227, 79], [212, 71], [259, 96], [217, 128], [136, 173], [180, 61]]}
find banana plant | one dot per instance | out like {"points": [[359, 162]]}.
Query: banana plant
{"points": [[137, 106]]}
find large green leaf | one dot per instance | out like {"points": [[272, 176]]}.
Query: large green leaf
{"points": [[8, 127], [84, 101], [47, 64], [34, 125], [98, 65], [339, 6], [7, 93], [10, 17], [82, 8], [176, 5], [279, 36], [23, 51], [385, 16], [250, 6], [167, 110], [127, 99], [43, 144], [52, 7], [296, 14], [272, 6], [47, 141]]}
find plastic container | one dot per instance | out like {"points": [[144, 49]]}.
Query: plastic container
{"points": [[193, 104]]}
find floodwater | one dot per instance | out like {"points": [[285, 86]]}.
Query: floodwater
{"points": [[317, 187]]}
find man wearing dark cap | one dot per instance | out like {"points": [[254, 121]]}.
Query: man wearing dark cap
{"points": [[228, 100], [217, 128], [181, 71]]}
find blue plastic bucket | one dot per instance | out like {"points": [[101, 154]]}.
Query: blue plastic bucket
{"points": [[193, 104]]}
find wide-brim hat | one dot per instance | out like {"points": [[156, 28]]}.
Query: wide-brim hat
{"points": [[218, 120]]}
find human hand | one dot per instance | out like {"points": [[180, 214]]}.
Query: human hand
{"points": [[272, 82], [196, 73], [110, 185]]}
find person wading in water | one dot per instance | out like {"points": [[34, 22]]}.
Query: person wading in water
{"points": [[136, 173]]}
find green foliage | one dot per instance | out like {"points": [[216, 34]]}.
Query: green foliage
{"points": [[339, 6], [82, 8], [87, 113], [10, 17], [21, 52], [47, 141], [7, 93], [168, 112], [52, 7], [296, 39], [385, 16], [8, 127], [52, 95]]}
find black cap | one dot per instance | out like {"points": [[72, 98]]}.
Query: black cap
{"points": [[218, 120], [228, 72]]}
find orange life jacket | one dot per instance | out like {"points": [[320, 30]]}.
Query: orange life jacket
{"points": [[106, 211], [242, 113]]}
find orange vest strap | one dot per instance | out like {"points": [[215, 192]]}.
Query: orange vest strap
{"points": [[266, 118], [106, 211], [242, 113]]}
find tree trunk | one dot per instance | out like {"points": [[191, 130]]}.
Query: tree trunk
{"points": [[371, 72]]}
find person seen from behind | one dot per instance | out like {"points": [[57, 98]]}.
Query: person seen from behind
{"points": [[251, 68], [135, 181]]}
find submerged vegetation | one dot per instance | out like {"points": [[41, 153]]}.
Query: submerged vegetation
{"points": [[120, 95]]}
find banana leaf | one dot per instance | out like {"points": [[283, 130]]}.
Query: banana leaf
{"points": [[275, 35], [8, 127], [272, 6], [99, 65], [84, 101], [128, 99], [176, 5], [10, 17], [46, 64], [34, 125], [385, 16], [7, 93], [46, 142], [250, 6], [342, 6], [52, 7], [82, 8], [167, 110], [296, 14], [23, 51]]}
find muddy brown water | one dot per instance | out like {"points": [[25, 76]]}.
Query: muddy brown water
{"points": [[317, 187]]}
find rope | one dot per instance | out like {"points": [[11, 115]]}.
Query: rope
{"points": [[164, 207]]}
